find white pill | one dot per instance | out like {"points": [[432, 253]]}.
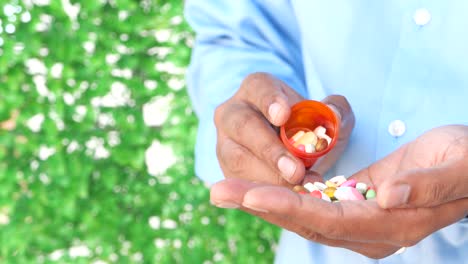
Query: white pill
{"points": [[326, 137], [320, 185], [338, 180], [361, 187], [311, 187], [320, 130], [309, 148], [325, 197]]}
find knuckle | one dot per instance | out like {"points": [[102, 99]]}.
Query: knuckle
{"points": [[218, 114], [309, 234], [240, 120], [252, 82], [438, 192], [332, 231], [234, 157], [254, 79], [219, 151], [270, 151]]}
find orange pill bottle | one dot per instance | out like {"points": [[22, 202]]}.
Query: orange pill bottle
{"points": [[307, 115]]}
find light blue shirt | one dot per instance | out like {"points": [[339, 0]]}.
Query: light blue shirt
{"points": [[393, 60]]}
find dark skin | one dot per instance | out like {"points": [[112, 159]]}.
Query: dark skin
{"points": [[421, 188]]}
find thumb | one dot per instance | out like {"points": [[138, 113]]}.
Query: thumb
{"points": [[425, 187]]}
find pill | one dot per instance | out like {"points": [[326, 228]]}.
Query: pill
{"points": [[349, 183], [327, 138], [330, 192], [298, 135], [311, 187], [309, 148], [361, 187], [320, 185], [301, 147], [330, 184], [321, 145], [300, 189], [326, 198], [307, 138], [338, 180], [339, 188], [370, 194], [320, 130], [316, 194], [348, 194]]}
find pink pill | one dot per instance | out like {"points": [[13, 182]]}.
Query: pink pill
{"points": [[348, 194], [356, 195], [301, 147], [349, 183]]}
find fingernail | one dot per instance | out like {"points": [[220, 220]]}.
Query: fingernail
{"points": [[287, 167], [255, 208], [273, 111], [397, 196], [224, 204]]}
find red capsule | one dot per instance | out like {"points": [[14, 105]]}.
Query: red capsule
{"points": [[316, 194]]}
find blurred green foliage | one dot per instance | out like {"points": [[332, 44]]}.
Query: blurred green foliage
{"points": [[74, 185]]}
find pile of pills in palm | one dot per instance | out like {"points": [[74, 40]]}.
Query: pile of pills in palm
{"points": [[337, 188], [311, 141]]}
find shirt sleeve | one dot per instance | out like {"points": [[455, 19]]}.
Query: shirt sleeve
{"points": [[234, 39]]}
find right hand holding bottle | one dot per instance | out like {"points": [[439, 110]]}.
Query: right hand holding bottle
{"points": [[248, 145]]}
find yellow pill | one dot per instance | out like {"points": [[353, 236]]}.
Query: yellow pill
{"points": [[331, 184], [298, 135], [307, 138], [330, 192], [300, 189]]}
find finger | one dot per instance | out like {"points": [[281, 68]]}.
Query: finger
{"points": [[343, 110], [425, 187], [340, 105], [371, 250], [237, 161], [247, 128], [230, 193], [320, 216], [358, 221], [269, 95], [383, 169], [312, 176], [353, 221]]}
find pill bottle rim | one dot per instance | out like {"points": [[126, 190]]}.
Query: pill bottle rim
{"points": [[315, 105]]}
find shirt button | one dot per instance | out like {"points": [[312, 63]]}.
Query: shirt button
{"points": [[396, 128], [422, 16]]}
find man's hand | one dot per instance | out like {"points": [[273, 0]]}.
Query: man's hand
{"points": [[433, 170], [248, 145]]}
